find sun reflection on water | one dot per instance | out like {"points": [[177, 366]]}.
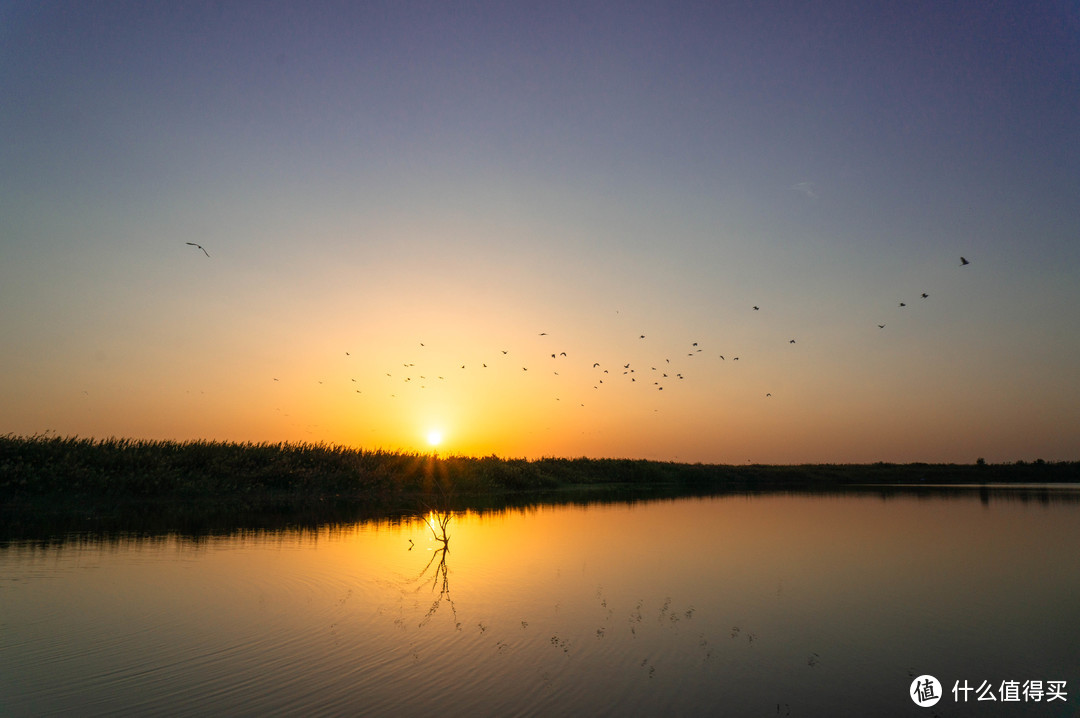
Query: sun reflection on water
{"points": [[753, 603]]}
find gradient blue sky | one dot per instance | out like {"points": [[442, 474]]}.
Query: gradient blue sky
{"points": [[368, 177]]}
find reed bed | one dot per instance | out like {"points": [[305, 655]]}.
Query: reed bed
{"points": [[56, 467]]}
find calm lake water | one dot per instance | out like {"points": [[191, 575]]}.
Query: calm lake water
{"points": [[749, 605]]}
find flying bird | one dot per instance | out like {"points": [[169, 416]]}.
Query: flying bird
{"points": [[208, 254], [792, 341], [962, 261], [880, 326], [902, 304], [925, 295], [756, 308]]}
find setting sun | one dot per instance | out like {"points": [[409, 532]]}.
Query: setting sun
{"points": [[434, 437]]}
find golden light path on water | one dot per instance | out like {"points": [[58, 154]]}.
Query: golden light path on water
{"points": [[742, 601]]}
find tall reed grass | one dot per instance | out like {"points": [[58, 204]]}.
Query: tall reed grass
{"points": [[57, 467]]}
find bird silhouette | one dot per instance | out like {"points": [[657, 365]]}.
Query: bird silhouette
{"points": [[792, 341], [208, 254], [756, 308], [902, 304], [963, 262], [924, 295], [880, 326]]}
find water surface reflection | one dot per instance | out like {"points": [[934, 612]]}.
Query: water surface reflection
{"points": [[741, 605]]}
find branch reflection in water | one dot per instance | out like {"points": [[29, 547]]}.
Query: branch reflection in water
{"points": [[440, 576], [437, 516]]}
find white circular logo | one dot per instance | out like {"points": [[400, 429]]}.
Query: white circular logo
{"points": [[925, 691]]}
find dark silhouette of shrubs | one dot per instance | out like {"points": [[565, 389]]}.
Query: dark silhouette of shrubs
{"points": [[76, 469]]}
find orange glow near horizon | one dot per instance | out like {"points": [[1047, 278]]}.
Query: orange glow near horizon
{"points": [[512, 381]]}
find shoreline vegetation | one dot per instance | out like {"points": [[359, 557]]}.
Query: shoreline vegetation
{"points": [[215, 483], [71, 466]]}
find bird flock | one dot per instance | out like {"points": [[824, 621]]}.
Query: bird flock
{"points": [[425, 367]]}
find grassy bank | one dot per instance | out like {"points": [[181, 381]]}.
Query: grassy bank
{"points": [[62, 487], [75, 469]]}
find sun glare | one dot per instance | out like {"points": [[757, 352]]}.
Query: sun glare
{"points": [[434, 437]]}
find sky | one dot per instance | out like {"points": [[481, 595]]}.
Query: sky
{"points": [[407, 208]]}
